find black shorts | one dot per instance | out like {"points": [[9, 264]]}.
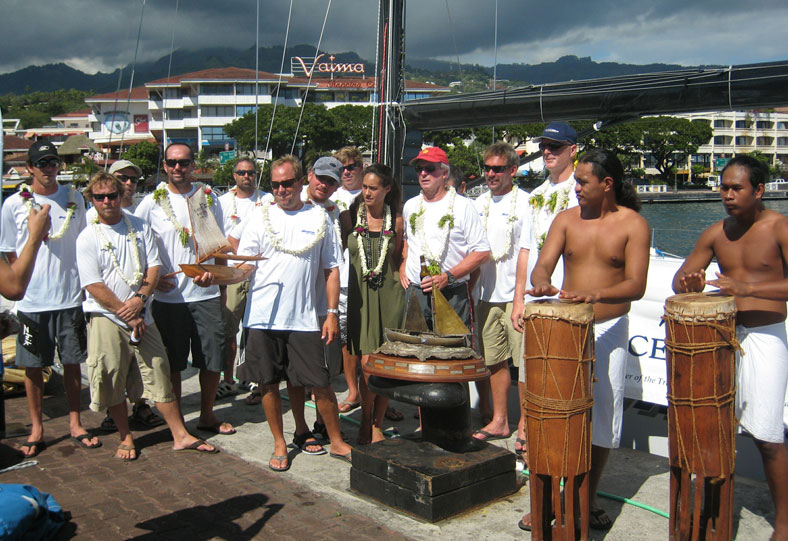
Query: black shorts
{"points": [[192, 327], [296, 356], [41, 332]]}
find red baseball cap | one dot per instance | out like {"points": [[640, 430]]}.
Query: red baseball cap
{"points": [[432, 154]]}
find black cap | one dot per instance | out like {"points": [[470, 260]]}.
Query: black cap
{"points": [[41, 149]]}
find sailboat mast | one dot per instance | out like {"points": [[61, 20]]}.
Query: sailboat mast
{"points": [[391, 84]]}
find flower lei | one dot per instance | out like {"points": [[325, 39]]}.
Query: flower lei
{"points": [[234, 210], [71, 207], [545, 209], [276, 242], [498, 256], [161, 195], [417, 225], [135, 253], [373, 277]]}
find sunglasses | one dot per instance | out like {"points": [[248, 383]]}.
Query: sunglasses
{"points": [[552, 147], [325, 179], [47, 162], [496, 168], [351, 167], [101, 196], [186, 162], [284, 184], [245, 172], [429, 169], [127, 178]]}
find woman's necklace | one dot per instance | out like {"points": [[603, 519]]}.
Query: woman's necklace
{"points": [[374, 277]]}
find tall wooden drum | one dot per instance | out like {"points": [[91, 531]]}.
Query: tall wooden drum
{"points": [[558, 361], [701, 345]]}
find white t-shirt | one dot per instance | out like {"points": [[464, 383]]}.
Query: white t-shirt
{"points": [[171, 251], [234, 216], [55, 281], [333, 211], [542, 218], [497, 279], [343, 199], [283, 293], [465, 237], [95, 262]]}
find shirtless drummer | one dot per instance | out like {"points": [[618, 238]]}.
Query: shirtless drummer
{"points": [[751, 247], [605, 246]]}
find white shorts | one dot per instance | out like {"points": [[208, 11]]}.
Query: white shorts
{"points": [[610, 369], [761, 379]]}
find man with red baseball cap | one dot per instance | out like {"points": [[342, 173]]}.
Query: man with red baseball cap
{"points": [[446, 231]]}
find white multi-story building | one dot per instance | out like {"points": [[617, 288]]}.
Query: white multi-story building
{"points": [[193, 108], [737, 132]]}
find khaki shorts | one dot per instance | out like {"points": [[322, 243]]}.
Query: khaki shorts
{"points": [[500, 340], [113, 372], [234, 308]]}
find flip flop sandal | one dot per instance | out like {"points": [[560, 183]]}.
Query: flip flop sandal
{"points": [[254, 398], [279, 458], [307, 439]]}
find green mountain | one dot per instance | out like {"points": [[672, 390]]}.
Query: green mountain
{"points": [[60, 76]]}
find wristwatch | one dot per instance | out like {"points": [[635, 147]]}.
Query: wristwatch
{"points": [[450, 277], [334, 311], [143, 298]]}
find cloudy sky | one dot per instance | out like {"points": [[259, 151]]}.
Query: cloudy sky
{"points": [[94, 35]]}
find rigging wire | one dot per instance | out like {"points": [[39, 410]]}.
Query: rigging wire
{"points": [[309, 82], [257, 81], [133, 70], [169, 72], [372, 147], [276, 95], [115, 106]]}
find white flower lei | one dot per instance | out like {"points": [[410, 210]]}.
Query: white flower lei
{"points": [[417, 224], [135, 253], [330, 206], [546, 210], [496, 257], [276, 242], [71, 207], [234, 210], [161, 195], [385, 236]]}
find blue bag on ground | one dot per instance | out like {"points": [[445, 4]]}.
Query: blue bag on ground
{"points": [[27, 513]]}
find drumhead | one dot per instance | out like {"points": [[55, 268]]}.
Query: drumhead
{"points": [[578, 312], [700, 306]]}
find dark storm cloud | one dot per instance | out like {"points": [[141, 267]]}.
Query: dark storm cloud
{"points": [[93, 34]]}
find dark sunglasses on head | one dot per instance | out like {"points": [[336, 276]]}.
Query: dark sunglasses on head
{"points": [[126, 178], [351, 166], [429, 169], [284, 184], [45, 162], [245, 172], [101, 196], [186, 162], [552, 147], [496, 168]]}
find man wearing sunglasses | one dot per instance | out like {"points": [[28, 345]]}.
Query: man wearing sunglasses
{"points": [[352, 176], [187, 312], [283, 338], [236, 205], [51, 310], [129, 175], [456, 243], [118, 268], [506, 215]]}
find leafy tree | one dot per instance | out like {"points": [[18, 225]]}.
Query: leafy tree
{"points": [[357, 123], [35, 109], [671, 140], [83, 170], [144, 155]]}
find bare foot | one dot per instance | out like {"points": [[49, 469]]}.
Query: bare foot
{"points": [[213, 425], [377, 434], [126, 452], [339, 448], [364, 434]]}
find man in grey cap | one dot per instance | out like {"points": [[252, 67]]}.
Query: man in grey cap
{"points": [[129, 174], [323, 180]]}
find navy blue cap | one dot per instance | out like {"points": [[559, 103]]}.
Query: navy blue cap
{"points": [[559, 131]]}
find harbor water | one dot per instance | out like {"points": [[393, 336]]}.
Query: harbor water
{"points": [[676, 226]]}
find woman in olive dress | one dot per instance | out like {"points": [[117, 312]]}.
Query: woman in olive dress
{"points": [[372, 231]]}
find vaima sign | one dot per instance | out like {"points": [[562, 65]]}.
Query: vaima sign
{"points": [[299, 64]]}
